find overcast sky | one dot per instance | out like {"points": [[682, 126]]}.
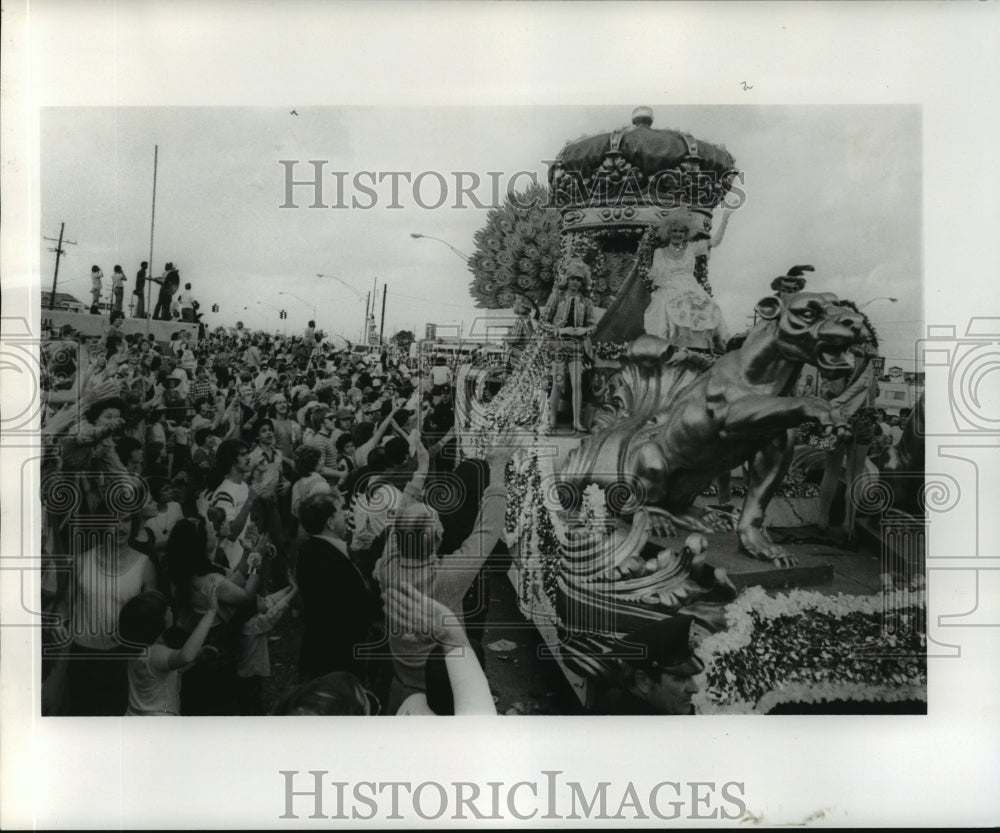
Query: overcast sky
{"points": [[835, 187]]}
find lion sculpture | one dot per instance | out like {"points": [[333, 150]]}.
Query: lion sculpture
{"points": [[742, 410]]}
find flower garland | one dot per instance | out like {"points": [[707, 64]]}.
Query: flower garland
{"points": [[805, 647], [531, 531], [610, 350]]}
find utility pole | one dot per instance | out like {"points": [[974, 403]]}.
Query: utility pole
{"points": [[152, 227], [59, 251], [381, 329]]}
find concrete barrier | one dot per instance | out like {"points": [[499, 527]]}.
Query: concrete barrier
{"points": [[96, 325]]}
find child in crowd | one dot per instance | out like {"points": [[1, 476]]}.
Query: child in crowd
{"points": [[154, 684]]}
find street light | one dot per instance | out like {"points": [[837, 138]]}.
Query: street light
{"points": [[881, 298], [345, 283], [361, 297], [417, 236], [297, 298]]}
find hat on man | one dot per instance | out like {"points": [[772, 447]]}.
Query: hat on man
{"points": [[345, 413], [177, 375], [793, 281], [666, 646]]}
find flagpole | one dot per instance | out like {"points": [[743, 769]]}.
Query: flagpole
{"points": [[152, 226]]}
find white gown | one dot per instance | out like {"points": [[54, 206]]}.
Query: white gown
{"points": [[679, 310]]}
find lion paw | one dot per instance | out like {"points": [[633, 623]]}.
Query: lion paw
{"points": [[662, 523], [755, 543], [719, 520], [698, 522]]}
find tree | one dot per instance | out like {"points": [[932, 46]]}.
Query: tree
{"points": [[403, 339]]}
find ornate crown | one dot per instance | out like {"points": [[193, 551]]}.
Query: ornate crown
{"points": [[636, 175]]}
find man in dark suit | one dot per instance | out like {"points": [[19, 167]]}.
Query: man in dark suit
{"points": [[338, 605]]}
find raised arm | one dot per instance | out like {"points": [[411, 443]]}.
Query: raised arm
{"points": [[720, 232], [457, 571], [407, 609], [195, 642]]}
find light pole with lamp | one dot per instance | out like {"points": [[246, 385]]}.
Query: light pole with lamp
{"points": [[361, 297], [280, 316], [301, 301], [418, 236]]}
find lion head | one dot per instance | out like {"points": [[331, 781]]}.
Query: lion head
{"points": [[817, 328]]}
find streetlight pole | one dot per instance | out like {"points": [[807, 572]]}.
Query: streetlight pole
{"points": [[297, 298], [368, 302], [418, 236]]}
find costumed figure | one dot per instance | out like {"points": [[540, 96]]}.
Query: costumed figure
{"points": [[524, 326], [667, 294], [681, 310], [570, 317]]}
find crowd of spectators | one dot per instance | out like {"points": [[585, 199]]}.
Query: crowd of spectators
{"points": [[194, 492]]}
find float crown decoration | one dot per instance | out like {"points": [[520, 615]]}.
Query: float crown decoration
{"points": [[634, 176]]}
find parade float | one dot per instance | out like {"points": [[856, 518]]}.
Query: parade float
{"points": [[613, 529]]}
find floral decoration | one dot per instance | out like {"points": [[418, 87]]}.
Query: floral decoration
{"points": [[806, 647], [516, 251]]}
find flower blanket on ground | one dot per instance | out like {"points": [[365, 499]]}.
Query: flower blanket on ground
{"points": [[804, 647]]}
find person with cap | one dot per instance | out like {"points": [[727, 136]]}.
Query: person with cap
{"points": [[344, 422], [789, 284], [90, 449], [659, 667], [782, 286]]}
